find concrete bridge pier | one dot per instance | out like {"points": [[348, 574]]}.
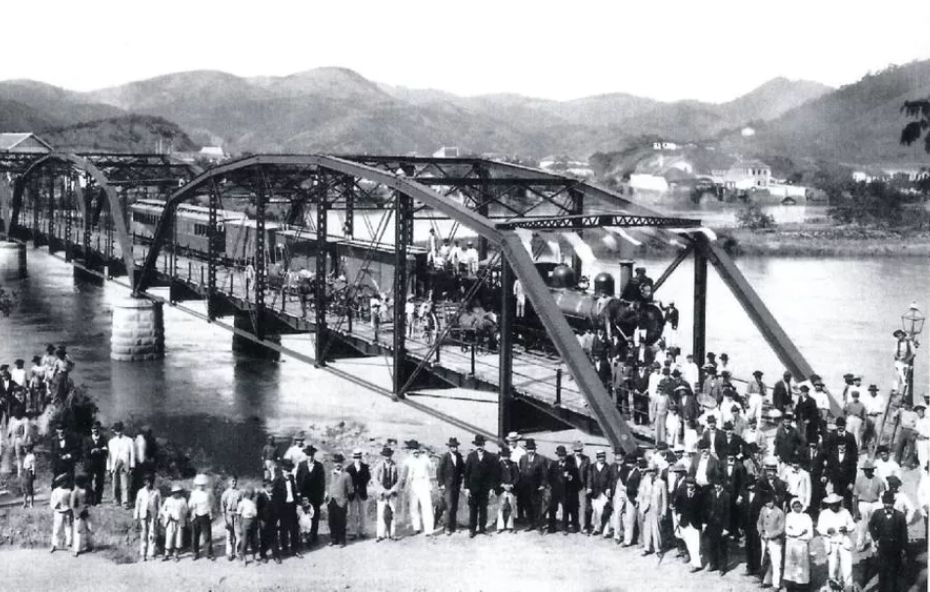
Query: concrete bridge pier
{"points": [[138, 331], [12, 261], [245, 346]]}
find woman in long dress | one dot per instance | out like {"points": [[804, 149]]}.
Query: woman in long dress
{"points": [[799, 529]]}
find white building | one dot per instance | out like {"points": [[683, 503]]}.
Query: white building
{"points": [[447, 152], [23, 143], [663, 145]]}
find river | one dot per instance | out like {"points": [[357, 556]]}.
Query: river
{"points": [[220, 406]]}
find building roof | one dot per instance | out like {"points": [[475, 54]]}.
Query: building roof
{"points": [[9, 141]]}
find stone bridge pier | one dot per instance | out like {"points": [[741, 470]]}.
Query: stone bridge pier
{"points": [[138, 330]]}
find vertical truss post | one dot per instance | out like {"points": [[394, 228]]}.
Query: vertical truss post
{"points": [[322, 209], [88, 198], [212, 251], [349, 193], [69, 204], [403, 227], [577, 209], [484, 198], [261, 278], [505, 367], [699, 339], [34, 192], [51, 213]]}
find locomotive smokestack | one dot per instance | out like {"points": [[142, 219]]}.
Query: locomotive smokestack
{"points": [[626, 273]]}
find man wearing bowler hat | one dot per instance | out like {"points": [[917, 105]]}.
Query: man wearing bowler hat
{"points": [[583, 464], [338, 496], [532, 482], [311, 484], [564, 483], [121, 461], [387, 486], [480, 477], [360, 474], [449, 475]]}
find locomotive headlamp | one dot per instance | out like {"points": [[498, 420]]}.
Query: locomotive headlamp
{"points": [[913, 321]]}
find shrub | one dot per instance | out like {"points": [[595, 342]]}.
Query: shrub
{"points": [[753, 218]]}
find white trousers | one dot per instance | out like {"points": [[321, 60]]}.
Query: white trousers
{"points": [[597, 512], [775, 550], [381, 529], [854, 426], [502, 523], [923, 452], [232, 534], [358, 511], [616, 517], [839, 563], [630, 517], [421, 506], [82, 532], [692, 538], [61, 528], [147, 537], [866, 509], [173, 534]]}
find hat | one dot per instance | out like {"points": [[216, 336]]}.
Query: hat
{"points": [[757, 373], [774, 413], [310, 450], [724, 356], [676, 372], [201, 479], [840, 422], [387, 451], [787, 415], [299, 436], [848, 376], [513, 436], [639, 269], [709, 366], [338, 458], [797, 501], [919, 406], [479, 440], [728, 425], [899, 333], [872, 387], [618, 452], [725, 373], [287, 464], [577, 445], [868, 465], [689, 480], [888, 497], [703, 445], [681, 387], [176, 488], [412, 445], [118, 426], [893, 481], [357, 453], [832, 499], [452, 442], [854, 393], [530, 444], [804, 388], [679, 468], [601, 454], [504, 452], [641, 463], [771, 463], [678, 448], [560, 450]]}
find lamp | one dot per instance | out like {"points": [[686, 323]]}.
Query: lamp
{"points": [[913, 321]]}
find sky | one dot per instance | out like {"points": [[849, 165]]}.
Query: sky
{"points": [[668, 50]]}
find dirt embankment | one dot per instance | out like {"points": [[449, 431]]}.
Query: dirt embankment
{"points": [[827, 242]]}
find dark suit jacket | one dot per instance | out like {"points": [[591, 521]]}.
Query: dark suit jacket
{"points": [[775, 487], [450, 475], [689, 408], [749, 512], [889, 532], [713, 468], [690, 510], [808, 418], [841, 474], [311, 481], [509, 475], [279, 493], [787, 443], [781, 395], [851, 447], [735, 443], [481, 475], [267, 511], [583, 469], [734, 481], [564, 480], [719, 443], [72, 447], [95, 454], [600, 481], [633, 478], [717, 510], [360, 479], [532, 474]]}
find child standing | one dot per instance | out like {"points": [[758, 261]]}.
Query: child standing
{"points": [[28, 477], [174, 514], [247, 512], [81, 514]]}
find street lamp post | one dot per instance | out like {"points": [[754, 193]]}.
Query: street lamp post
{"points": [[912, 324]]}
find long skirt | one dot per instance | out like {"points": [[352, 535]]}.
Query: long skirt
{"points": [[797, 561]]}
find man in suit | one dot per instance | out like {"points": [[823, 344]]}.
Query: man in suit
{"points": [[808, 415], [337, 497], [814, 461], [841, 435], [564, 482], [841, 472], [449, 475], [599, 490], [732, 441], [734, 476], [690, 509], [770, 485], [311, 483], [714, 438], [888, 528], [749, 507], [688, 407], [781, 393], [284, 499], [788, 441], [704, 467], [532, 482], [66, 450], [268, 519], [387, 486], [631, 512], [480, 477], [582, 463], [358, 499], [717, 527], [653, 502], [95, 461]]}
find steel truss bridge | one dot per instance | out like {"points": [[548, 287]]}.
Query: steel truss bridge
{"points": [[78, 205]]}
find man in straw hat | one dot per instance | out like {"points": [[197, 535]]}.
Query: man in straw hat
{"points": [[201, 509], [174, 515], [479, 478], [867, 498], [689, 506], [771, 529], [387, 485], [449, 475], [653, 502], [600, 487], [509, 474], [417, 473], [145, 512], [338, 495], [836, 525], [358, 500]]}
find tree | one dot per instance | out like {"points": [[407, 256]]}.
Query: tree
{"points": [[871, 204], [912, 132], [753, 218]]}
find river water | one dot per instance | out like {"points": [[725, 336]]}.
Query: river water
{"points": [[220, 406]]}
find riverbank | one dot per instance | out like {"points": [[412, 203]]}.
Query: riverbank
{"points": [[801, 240]]}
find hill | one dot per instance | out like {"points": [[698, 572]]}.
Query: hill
{"points": [[859, 123], [128, 133]]}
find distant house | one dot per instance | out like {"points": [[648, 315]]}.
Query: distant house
{"points": [[447, 152], [648, 182], [746, 174], [23, 143], [213, 153], [663, 145]]}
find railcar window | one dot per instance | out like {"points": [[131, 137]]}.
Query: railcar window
{"points": [[144, 218]]}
